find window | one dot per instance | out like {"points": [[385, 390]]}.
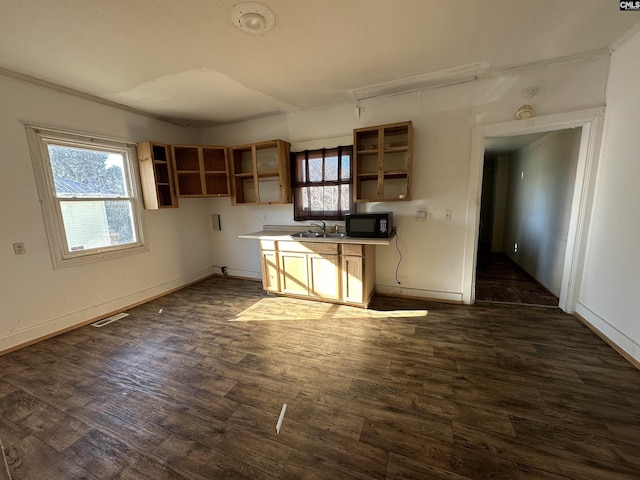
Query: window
{"points": [[88, 196], [322, 183]]}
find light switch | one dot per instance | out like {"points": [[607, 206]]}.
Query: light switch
{"points": [[18, 248], [421, 215], [215, 222]]}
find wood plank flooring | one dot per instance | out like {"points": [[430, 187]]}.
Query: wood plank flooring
{"points": [[500, 280], [404, 390]]}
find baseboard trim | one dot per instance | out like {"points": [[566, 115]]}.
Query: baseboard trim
{"points": [[418, 294], [60, 325], [617, 340]]}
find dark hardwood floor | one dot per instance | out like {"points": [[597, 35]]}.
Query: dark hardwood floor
{"points": [[500, 280], [404, 390]]}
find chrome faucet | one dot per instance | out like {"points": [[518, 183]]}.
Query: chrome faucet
{"points": [[323, 227]]}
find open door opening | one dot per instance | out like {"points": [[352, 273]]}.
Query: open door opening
{"points": [[525, 211]]}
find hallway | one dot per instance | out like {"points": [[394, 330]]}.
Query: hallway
{"points": [[500, 280]]}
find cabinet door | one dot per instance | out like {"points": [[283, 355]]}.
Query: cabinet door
{"points": [[156, 176], [270, 275], [352, 279], [324, 276], [294, 275]]}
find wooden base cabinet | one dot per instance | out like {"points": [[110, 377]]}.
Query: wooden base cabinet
{"points": [[294, 273], [324, 276], [332, 272], [358, 273], [270, 271]]}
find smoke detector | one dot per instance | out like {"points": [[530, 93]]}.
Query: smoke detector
{"points": [[525, 111], [252, 18]]}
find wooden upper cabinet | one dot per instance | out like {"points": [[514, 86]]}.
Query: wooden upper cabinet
{"points": [[201, 171], [156, 176], [383, 162], [260, 173]]}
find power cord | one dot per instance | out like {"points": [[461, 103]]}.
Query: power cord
{"points": [[399, 259]]}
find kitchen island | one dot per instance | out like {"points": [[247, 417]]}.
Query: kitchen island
{"points": [[309, 264]]}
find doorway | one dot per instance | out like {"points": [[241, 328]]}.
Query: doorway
{"points": [[590, 123], [527, 191]]}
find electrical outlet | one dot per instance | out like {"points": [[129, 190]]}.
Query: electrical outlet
{"points": [[18, 248], [265, 218]]}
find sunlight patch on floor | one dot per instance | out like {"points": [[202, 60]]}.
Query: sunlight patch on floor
{"points": [[293, 309]]}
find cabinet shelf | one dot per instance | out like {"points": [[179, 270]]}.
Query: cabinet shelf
{"points": [[201, 171], [260, 173], [399, 174], [396, 149], [383, 162], [268, 174], [156, 176]]}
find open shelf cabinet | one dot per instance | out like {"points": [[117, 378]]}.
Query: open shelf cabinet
{"points": [[201, 171], [156, 176], [260, 173], [383, 162]]}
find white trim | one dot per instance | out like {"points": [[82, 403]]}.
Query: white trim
{"points": [[418, 293], [38, 138], [591, 121], [615, 336], [35, 332]]}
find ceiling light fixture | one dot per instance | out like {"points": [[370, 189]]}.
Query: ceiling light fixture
{"points": [[524, 112], [252, 18], [449, 76]]}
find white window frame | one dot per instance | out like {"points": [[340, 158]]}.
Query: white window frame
{"points": [[38, 139]]}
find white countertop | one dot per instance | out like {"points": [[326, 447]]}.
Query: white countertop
{"points": [[285, 232]]}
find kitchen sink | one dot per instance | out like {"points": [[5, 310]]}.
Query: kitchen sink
{"points": [[318, 235], [308, 235]]}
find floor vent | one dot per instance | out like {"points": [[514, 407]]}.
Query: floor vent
{"points": [[108, 320]]}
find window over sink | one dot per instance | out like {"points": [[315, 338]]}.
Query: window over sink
{"points": [[322, 182]]}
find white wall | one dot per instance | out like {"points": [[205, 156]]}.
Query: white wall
{"points": [[538, 206], [35, 299], [499, 202], [611, 277], [434, 250]]}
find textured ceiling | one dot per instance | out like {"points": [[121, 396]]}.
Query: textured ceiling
{"points": [[184, 59]]}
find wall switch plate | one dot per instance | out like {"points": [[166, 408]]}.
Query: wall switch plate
{"points": [[18, 248], [447, 215], [215, 222], [421, 215]]}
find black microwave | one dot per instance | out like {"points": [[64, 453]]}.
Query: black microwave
{"points": [[372, 225]]}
